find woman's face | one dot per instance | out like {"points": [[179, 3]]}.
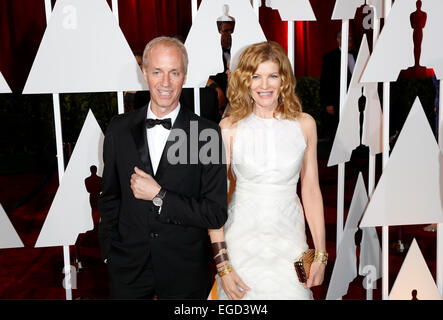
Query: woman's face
{"points": [[265, 85]]}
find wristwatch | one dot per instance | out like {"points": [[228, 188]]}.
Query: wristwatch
{"points": [[158, 199]]}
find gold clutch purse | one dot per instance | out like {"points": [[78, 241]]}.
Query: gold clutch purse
{"points": [[303, 265]]}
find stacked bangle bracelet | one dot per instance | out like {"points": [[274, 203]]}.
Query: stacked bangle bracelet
{"points": [[224, 270], [321, 256], [221, 255], [220, 252]]}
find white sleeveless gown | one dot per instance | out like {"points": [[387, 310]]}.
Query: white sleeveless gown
{"points": [[265, 230]]}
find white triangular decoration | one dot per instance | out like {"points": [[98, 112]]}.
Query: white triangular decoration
{"points": [[370, 256], [414, 275], [203, 41], [84, 50], [345, 267], [410, 188], [4, 88], [395, 47], [70, 213], [294, 10], [347, 137], [346, 9], [8, 236]]}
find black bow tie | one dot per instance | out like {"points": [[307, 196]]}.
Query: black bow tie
{"points": [[166, 123]]}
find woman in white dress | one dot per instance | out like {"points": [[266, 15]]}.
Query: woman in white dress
{"points": [[269, 144]]}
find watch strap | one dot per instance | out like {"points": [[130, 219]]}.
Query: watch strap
{"points": [[161, 194]]}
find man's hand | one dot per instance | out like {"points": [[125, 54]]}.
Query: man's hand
{"points": [[330, 110], [143, 186]]}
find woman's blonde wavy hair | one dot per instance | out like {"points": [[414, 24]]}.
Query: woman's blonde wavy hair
{"points": [[240, 100]]}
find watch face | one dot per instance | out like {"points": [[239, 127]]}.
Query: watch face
{"points": [[157, 201]]}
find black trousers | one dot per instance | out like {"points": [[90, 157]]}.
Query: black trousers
{"points": [[144, 288]]}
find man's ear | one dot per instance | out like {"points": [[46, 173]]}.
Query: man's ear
{"points": [[145, 73]]}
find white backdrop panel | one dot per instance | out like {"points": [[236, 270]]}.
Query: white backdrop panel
{"points": [[70, 213], [410, 188], [432, 46], [395, 47], [84, 50], [345, 267], [8, 236], [4, 88], [346, 9], [203, 41], [414, 275], [293, 10], [347, 137], [370, 253]]}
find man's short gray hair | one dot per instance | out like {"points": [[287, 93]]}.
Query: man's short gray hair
{"points": [[169, 42]]}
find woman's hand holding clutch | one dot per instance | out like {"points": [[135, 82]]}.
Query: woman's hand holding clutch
{"points": [[316, 275]]}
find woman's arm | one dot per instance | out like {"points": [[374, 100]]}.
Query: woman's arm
{"points": [[311, 196]]}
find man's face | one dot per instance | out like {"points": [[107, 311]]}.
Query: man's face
{"points": [[226, 30], [351, 44], [165, 75]]}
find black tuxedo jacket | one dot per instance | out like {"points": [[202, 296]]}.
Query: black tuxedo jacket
{"points": [[209, 108], [131, 231], [330, 79]]}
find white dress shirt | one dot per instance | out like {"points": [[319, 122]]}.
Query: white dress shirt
{"points": [[351, 62], [158, 135]]}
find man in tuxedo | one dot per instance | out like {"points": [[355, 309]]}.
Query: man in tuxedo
{"points": [[330, 84], [156, 212], [209, 104], [226, 27]]}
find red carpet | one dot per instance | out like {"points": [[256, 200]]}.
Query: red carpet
{"points": [[29, 273]]}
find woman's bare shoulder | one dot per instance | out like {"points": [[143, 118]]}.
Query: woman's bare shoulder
{"points": [[306, 118], [307, 121], [226, 123], [308, 125]]}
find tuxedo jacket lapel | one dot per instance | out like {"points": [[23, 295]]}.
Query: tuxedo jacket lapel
{"points": [[181, 122], [140, 138]]}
